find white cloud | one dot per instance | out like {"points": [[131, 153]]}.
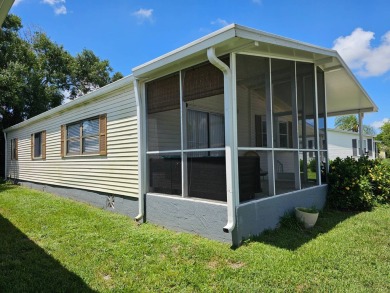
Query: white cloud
{"points": [[60, 10], [357, 51], [17, 2], [57, 5], [378, 124], [144, 14], [220, 22]]}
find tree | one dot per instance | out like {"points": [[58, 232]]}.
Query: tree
{"points": [[36, 74], [350, 123], [384, 137]]}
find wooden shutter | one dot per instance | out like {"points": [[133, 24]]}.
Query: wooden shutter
{"points": [[16, 149], [354, 147], [43, 144], [63, 130], [32, 146], [103, 135], [369, 146]]}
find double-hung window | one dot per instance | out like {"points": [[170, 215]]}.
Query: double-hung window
{"points": [[38, 145], [85, 137]]}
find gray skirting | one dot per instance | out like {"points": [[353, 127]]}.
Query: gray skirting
{"points": [[205, 218]]}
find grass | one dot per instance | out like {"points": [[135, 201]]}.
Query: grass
{"points": [[51, 244]]}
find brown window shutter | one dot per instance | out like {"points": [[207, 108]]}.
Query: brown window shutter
{"points": [[16, 149], [32, 146], [63, 129], [43, 139], [103, 135]]}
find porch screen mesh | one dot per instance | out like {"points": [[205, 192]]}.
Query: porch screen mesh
{"points": [[163, 94], [204, 80]]}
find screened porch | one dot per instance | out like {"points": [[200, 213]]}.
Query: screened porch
{"points": [[279, 120]]}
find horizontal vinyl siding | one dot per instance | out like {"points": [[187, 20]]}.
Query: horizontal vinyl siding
{"points": [[115, 173]]}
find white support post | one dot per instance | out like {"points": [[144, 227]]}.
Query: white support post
{"points": [[183, 126], [316, 128], [270, 132], [295, 134], [142, 147], [361, 116]]}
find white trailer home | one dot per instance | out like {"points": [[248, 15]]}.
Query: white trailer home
{"points": [[212, 138], [344, 144]]}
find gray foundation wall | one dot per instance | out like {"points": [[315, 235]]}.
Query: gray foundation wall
{"points": [[189, 215], [256, 216], [186, 215], [122, 204], [205, 218]]}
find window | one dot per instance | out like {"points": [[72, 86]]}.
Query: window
{"points": [[354, 147], [205, 130], [85, 137], [38, 145], [283, 135], [14, 149]]}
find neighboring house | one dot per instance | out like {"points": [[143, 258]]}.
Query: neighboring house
{"points": [[342, 143], [220, 137]]}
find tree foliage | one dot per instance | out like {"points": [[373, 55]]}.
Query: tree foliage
{"points": [[36, 74], [351, 123], [384, 137]]}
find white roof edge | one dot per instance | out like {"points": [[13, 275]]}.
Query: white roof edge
{"points": [[186, 46], [348, 132], [127, 80], [242, 31], [226, 33]]}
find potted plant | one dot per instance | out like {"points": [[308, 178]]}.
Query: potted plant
{"points": [[308, 216]]}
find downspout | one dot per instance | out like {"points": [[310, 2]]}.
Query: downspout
{"points": [[229, 140], [5, 155], [141, 199]]}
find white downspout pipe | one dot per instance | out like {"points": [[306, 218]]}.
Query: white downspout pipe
{"points": [[5, 155], [141, 189], [361, 152], [229, 140]]}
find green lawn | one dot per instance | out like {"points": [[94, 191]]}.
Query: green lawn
{"points": [[52, 244]]}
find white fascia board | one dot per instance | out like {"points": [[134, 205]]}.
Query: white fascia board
{"points": [[196, 46], [260, 36], [126, 81]]}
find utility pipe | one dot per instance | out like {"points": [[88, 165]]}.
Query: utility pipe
{"points": [[141, 178], [229, 140]]}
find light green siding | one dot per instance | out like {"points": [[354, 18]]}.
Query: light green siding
{"points": [[115, 173]]}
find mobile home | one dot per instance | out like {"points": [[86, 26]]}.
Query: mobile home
{"points": [[213, 138]]}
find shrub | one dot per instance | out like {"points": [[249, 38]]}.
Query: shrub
{"points": [[358, 184]]}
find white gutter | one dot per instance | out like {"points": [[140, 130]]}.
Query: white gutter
{"points": [[141, 189], [229, 140], [5, 156]]}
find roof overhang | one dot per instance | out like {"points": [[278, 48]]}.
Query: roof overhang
{"points": [[345, 95], [5, 6]]}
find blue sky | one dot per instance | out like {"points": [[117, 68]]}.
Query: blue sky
{"points": [[129, 33]]}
